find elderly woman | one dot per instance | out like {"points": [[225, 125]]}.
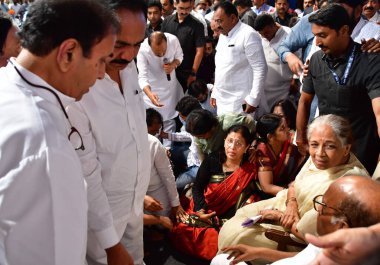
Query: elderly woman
{"points": [[330, 141]]}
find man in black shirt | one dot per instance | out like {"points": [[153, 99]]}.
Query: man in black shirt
{"points": [[282, 15], [346, 82], [190, 33], [154, 17]]}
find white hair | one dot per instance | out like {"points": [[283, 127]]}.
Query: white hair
{"points": [[340, 126]]}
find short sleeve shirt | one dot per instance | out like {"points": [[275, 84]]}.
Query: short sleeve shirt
{"points": [[353, 100]]}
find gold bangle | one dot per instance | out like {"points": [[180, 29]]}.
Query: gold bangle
{"points": [[289, 200]]}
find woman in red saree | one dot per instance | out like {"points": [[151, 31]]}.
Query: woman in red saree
{"points": [[221, 179], [278, 160]]}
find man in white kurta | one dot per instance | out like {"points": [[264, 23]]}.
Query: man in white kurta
{"points": [[41, 177], [159, 92], [116, 161], [279, 75], [43, 204], [240, 65]]}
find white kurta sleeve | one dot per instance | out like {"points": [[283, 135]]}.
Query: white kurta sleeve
{"points": [[179, 137], [256, 58], [164, 170], [178, 50], [100, 218], [142, 65]]}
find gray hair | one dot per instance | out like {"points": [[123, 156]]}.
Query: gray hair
{"points": [[340, 126]]}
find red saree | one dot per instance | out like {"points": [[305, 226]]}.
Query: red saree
{"points": [[202, 242], [285, 167]]}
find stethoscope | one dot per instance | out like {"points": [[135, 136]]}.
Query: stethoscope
{"points": [[73, 130]]}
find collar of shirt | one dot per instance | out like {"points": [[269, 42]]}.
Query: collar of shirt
{"points": [[287, 16], [275, 41], [176, 18], [157, 27], [375, 18], [233, 30], [335, 62], [242, 14], [35, 79]]}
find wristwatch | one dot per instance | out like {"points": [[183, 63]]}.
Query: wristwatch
{"points": [[193, 73]]}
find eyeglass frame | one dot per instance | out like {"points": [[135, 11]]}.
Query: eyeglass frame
{"points": [[235, 143], [73, 129], [321, 203]]}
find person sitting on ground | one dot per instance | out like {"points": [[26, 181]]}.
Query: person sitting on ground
{"points": [[343, 206], [330, 140], [9, 41], [184, 158], [209, 131], [202, 92], [161, 200], [285, 108], [278, 160], [221, 179], [154, 122]]}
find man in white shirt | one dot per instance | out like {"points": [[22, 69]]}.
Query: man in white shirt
{"points": [[342, 206], [159, 56], [116, 161], [43, 204], [240, 66], [279, 77], [371, 10]]}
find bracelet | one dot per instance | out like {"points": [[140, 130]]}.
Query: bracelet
{"points": [[289, 200]]}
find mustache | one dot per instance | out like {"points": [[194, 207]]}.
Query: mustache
{"points": [[120, 61], [369, 8]]}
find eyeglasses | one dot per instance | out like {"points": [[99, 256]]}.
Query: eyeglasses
{"points": [[319, 205], [230, 143], [74, 136]]}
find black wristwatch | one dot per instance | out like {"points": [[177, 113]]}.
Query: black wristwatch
{"points": [[193, 73]]}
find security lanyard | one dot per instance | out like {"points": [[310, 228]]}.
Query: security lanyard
{"points": [[346, 71]]}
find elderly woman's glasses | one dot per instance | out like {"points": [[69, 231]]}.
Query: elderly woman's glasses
{"points": [[319, 205], [74, 136]]}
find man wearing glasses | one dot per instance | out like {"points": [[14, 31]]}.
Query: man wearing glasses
{"points": [[116, 161], [350, 201], [43, 204]]}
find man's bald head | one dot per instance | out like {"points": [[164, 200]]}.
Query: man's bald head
{"points": [[156, 38], [355, 202], [158, 42]]}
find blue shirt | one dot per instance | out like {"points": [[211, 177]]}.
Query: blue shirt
{"points": [[301, 37], [265, 8]]}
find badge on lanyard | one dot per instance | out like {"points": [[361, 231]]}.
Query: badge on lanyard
{"points": [[343, 81]]}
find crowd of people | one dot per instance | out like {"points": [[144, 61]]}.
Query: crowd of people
{"points": [[209, 123]]}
